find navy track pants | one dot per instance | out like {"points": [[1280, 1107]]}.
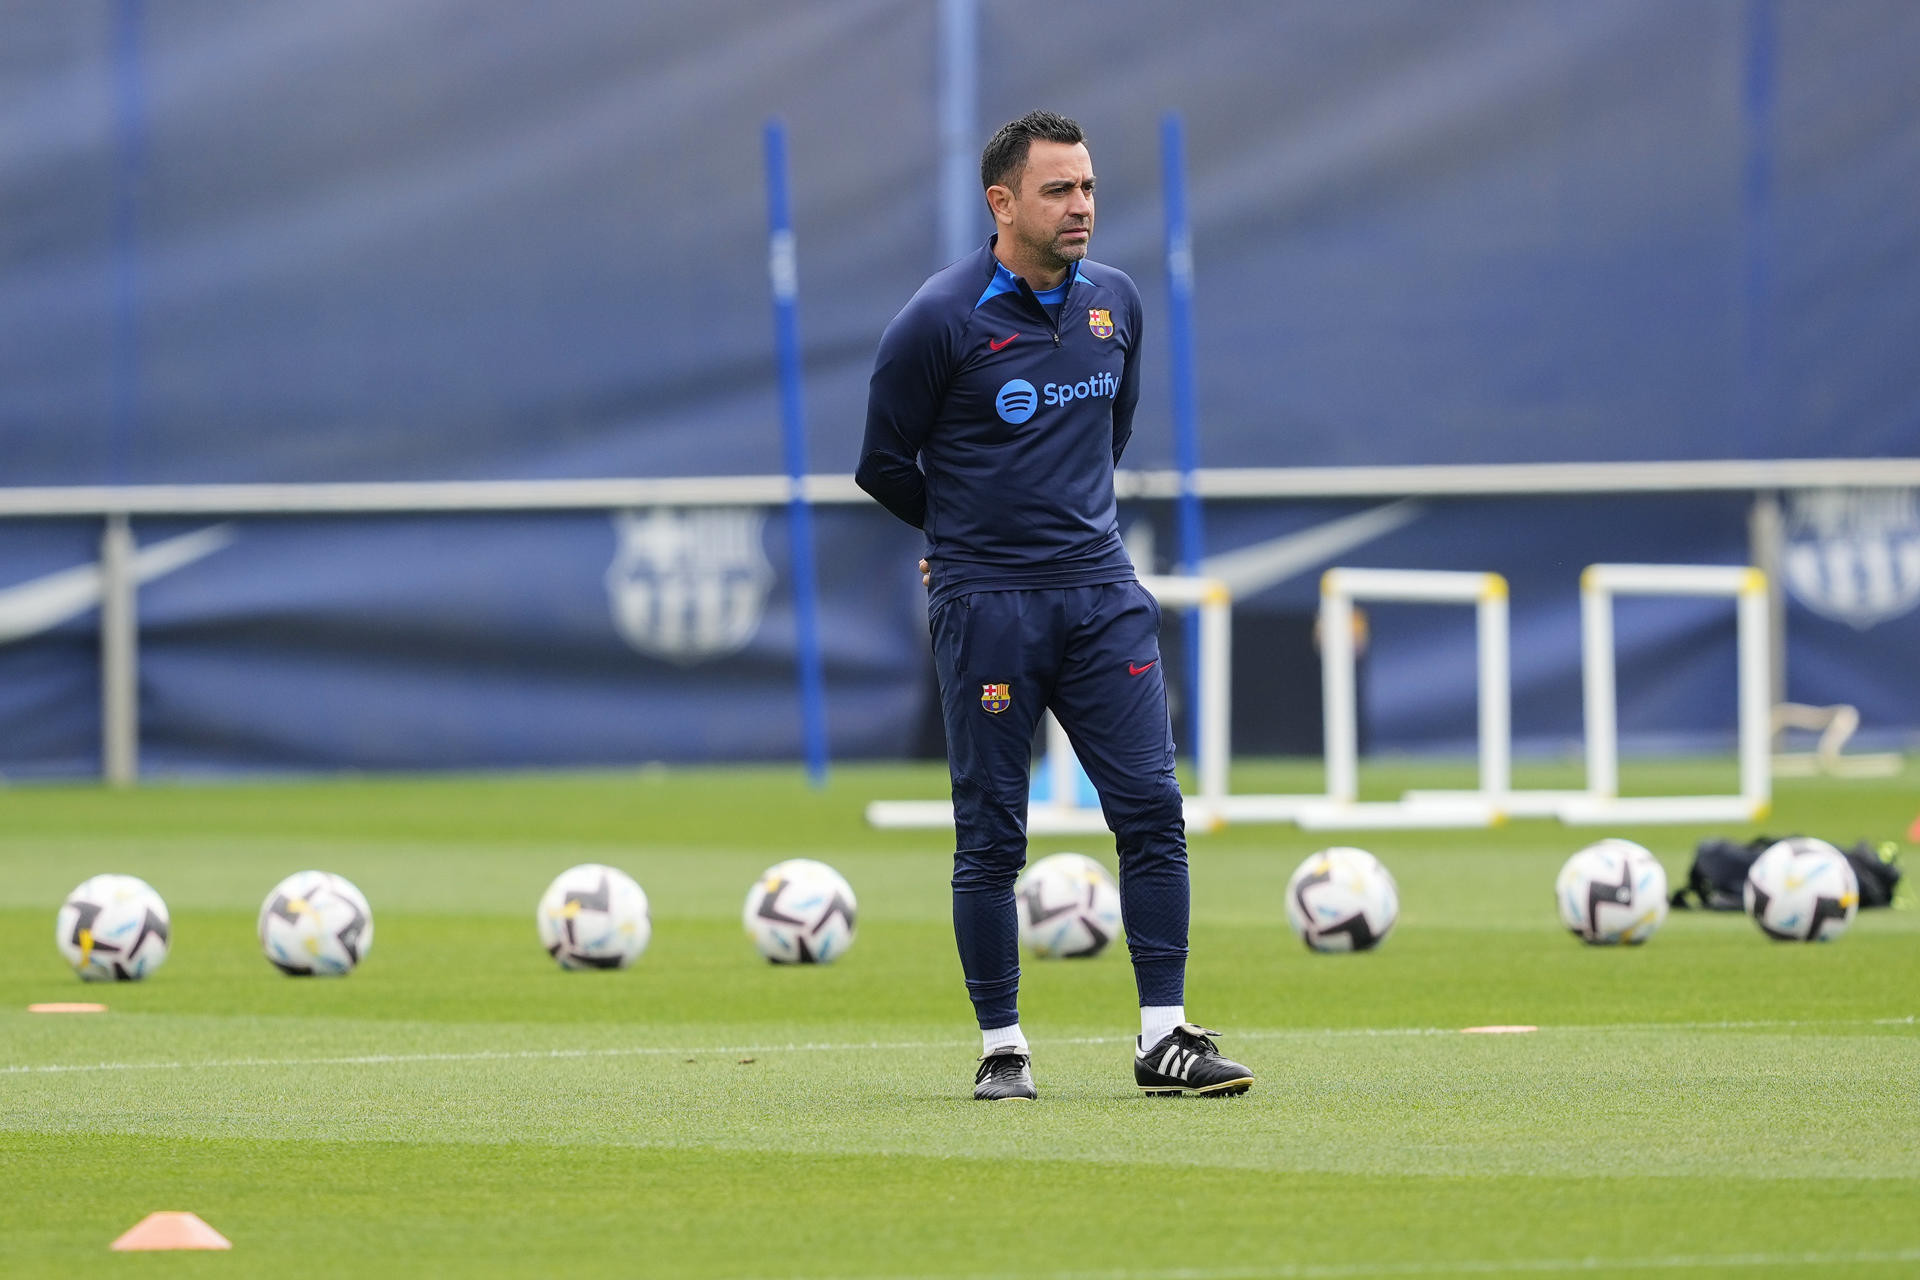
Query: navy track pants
{"points": [[1092, 656]]}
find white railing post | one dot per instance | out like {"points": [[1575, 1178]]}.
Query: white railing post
{"points": [[1766, 537], [1339, 713], [119, 655], [1596, 673], [1755, 631], [1216, 692], [1496, 700]]}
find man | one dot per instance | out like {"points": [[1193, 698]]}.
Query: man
{"points": [[1001, 399]]}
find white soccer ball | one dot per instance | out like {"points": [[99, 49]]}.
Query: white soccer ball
{"points": [[1612, 891], [113, 929], [800, 912], [1342, 899], [1069, 907], [315, 924], [594, 917], [1802, 890]]}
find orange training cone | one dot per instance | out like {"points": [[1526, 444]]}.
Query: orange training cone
{"points": [[171, 1231], [1913, 832]]}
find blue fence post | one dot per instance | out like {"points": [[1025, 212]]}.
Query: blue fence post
{"points": [[960, 207], [1186, 424], [1757, 102], [130, 147], [783, 270]]}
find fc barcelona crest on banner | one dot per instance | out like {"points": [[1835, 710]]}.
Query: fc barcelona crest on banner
{"points": [[995, 698], [1100, 321], [689, 585]]}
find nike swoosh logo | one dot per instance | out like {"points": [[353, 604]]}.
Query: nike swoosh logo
{"points": [[1140, 671], [41, 604], [1253, 569], [995, 346]]}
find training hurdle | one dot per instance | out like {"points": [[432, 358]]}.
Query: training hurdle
{"points": [[1602, 802], [1340, 807], [1061, 813], [1494, 799], [1836, 725]]}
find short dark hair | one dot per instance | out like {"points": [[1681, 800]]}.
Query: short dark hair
{"points": [[1006, 153]]}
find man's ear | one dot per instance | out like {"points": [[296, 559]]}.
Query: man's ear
{"points": [[1000, 203]]}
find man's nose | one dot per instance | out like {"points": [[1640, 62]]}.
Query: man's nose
{"points": [[1080, 203]]}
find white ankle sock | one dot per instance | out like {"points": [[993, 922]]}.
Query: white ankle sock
{"points": [[998, 1038], [1158, 1019]]}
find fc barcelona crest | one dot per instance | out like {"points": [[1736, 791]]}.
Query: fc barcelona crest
{"points": [[1100, 321], [995, 698]]}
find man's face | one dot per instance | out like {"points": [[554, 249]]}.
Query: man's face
{"points": [[1052, 207]]}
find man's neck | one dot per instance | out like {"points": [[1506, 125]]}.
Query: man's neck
{"points": [[1038, 278]]}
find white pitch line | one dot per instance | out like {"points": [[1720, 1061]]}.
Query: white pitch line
{"points": [[485, 1055], [868, 1046], [1477, 1267]]}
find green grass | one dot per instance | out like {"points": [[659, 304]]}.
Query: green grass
{"points": [[1711, 1102]]}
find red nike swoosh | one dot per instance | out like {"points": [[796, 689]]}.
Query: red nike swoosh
{"points": [[1135, 671], [995, 346]]}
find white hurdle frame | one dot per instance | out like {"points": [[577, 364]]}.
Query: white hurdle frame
{"points": [[1495, 799], [1062, 814], [1340, 807], [1602, 802], [1487, 592]]}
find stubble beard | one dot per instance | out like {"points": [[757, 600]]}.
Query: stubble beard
{"points": [[1067, 252], [1056, 253]]}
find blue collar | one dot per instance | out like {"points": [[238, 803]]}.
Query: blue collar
{"points": [[1004, 281]]}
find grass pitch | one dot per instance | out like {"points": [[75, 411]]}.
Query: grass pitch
{"points": [[1711, 1102]]}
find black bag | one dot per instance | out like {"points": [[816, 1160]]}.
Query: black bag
{"points": [[1718, 877]]}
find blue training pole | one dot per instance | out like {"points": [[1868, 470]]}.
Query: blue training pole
{"points": [[783, 269], [130, 145], [1186, 418], [1757, 210], [961, 223]]}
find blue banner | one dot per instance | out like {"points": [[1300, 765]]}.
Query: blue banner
{"points": [[279, 241], [481, 641]]}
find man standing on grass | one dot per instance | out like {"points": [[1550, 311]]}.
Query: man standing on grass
{"points": [[1001, 399]]}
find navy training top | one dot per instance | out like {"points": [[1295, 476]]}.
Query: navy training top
{"points": [[995, 427]]}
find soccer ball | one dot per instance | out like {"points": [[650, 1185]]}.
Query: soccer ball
{"points": [[1342, 899], [800, 912], [1613, 891], [1069, 906], [113, 929], [594, 917], [315, 924], [1802, 890]]}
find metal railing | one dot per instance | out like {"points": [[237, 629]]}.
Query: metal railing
{"points": [[1480, 480], [117, 506]]}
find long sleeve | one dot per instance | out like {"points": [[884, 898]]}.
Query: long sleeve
{"points": [[889, 472], [1128, 395], [903, 399]]}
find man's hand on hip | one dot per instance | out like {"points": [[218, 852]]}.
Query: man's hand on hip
{"points": [[926, 574]]}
